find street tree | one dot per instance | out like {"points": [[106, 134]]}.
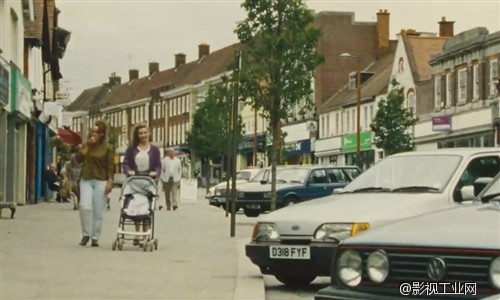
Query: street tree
{"points": [[392, 122], [210, 135], [279, 61]]}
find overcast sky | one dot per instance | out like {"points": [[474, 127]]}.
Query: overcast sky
{"points": [[117, 35]]}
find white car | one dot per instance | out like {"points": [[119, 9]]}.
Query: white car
{"points": [[296, 243], [242, 176]]}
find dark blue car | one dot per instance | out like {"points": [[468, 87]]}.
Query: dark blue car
{"points": [[295, 184]]}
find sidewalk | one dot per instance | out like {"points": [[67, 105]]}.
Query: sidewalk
{"points": [[40, 257]]}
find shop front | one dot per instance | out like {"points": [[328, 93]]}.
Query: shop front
{"points": [[17, 124], [469, 129], [367, 152], [297, 153], [328, 151], [246, 151], [4, 110]]}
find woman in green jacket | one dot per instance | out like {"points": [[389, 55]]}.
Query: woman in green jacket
{"points": [[96, 182]]}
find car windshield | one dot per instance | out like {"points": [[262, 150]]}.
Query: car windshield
{"points": [[243, 175], [259, 176], [407, 173], [291, 175]]}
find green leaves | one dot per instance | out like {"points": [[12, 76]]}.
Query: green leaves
{"points": [[392, 123], [210, 133]]}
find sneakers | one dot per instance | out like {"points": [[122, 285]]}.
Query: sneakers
{"points": [[175, 207], [94, 243]]}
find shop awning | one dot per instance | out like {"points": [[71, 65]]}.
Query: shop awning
{"points": [[70, 137]]}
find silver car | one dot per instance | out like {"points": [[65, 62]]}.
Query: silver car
{"points": [[296, 243]]}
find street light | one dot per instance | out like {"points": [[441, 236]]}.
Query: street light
{"points": [[358, 103]]}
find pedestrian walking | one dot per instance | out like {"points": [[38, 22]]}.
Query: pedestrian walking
{"points": [[171, 173], [142, 157], [73, 171], [96, 182]]}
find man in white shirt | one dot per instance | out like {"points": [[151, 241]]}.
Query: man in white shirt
{"points": [[171, 173]]}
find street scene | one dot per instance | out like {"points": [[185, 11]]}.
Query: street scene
{"points": [[249, 149]]}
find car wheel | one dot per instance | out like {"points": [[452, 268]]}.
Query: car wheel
{"points": [[295, 280], [290, 200], [251, 212]]}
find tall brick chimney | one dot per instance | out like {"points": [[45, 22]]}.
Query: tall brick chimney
{"points": [[383, 29], [180, 58], [154, 67], [133, 74], [203, 50], [114, 80], [445, 27]]}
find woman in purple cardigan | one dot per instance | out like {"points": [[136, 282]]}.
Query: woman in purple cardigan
{"points": [[142, 157]]}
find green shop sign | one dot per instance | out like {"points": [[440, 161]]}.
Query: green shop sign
{"points": [[20, 93], [348, 142]]}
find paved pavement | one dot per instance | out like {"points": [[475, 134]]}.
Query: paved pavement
{"points": [[197, 259]]}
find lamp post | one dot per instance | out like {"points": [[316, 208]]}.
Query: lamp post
{"points": [[358, 104]]}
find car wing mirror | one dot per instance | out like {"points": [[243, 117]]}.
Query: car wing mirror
{"points": [[263, 181], [480, 184], [467, 193]]}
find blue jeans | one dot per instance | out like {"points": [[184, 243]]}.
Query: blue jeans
{"points": [[92, 206]]}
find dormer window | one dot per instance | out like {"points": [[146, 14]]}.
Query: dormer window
{"points": [[352, 81]]}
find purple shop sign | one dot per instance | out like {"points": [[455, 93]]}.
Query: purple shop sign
{"points": [[442, 123]]}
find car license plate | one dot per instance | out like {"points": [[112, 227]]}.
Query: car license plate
{"points": [[253, 206], [289, 252]]}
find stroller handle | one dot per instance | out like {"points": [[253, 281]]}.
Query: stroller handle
{"points": [[142, 174]]}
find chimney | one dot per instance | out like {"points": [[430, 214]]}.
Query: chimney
{"points": [[133, 74], [445, 27], [383, 29], [203, 50], [154, 67], [114, 80], [180, 58]]}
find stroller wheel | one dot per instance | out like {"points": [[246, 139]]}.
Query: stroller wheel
{"points": [[113, 245], [155, 242], [151, 246], [145, 246]]}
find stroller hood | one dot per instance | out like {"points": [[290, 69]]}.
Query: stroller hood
{"points": [[139, 185]]}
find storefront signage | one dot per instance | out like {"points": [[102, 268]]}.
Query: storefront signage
{"points": [[4, 85], [442, 123], [348, 142], [296, 148], [20, 93]]}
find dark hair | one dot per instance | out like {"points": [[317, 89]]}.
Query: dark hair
{"points": [[103, 128], [135, 133]]}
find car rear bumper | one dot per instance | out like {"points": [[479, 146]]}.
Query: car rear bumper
{"points": [[318, 264]]}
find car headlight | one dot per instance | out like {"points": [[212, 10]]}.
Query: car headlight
{"points": [[339, 231], [350, 268], [495, 272], [377, 266], [240, 195], [267, 195], [265, 232]]}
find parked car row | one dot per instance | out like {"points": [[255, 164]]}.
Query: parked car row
{"points": [[412, 218], [294, 184]]}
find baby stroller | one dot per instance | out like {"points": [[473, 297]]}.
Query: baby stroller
{"points": [[137, 203]]}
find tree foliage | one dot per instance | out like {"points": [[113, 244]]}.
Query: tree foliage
{"points": [[392, 122], [210, 134], [279, 61]]}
